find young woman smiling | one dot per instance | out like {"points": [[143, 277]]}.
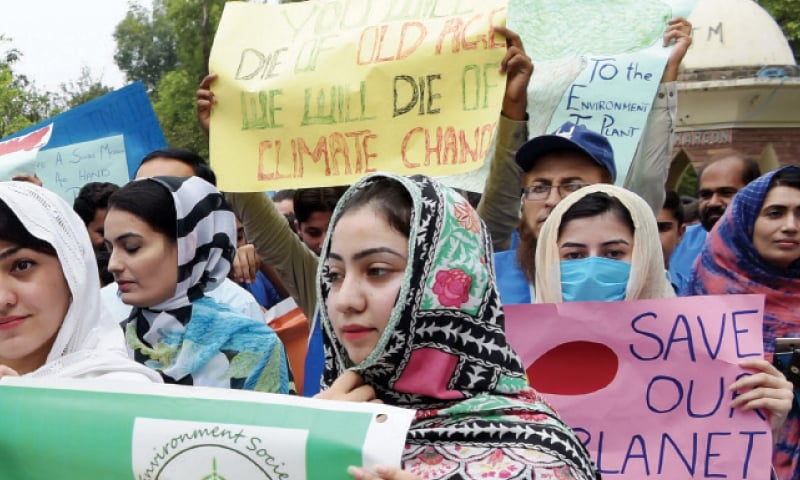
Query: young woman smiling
{"points": [[52, 322]]}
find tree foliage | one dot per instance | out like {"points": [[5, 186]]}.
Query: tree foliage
{"points": [[81, 90], [21, 105], [787, 14], [183, 30], [146, 46]]}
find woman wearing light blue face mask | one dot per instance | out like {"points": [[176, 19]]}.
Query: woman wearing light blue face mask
{"points": [[600, 243]]}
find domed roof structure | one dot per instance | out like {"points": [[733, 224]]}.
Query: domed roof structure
{"points": [[735, 33]]}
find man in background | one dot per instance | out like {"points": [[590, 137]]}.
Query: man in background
{"points": [[719, 181], [671, 227]]}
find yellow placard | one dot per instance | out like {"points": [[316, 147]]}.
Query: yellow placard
{"points": [[322, 92]]}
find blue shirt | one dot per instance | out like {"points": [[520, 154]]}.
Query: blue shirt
{"points": [[263, 291], [315, 359], [684, 255], [511, 281]]}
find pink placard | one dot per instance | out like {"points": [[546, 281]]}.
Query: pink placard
{"points": [[645, 383]]}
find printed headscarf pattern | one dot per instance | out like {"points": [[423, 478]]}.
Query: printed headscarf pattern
{"points": [[444, 350], [648, 276], [89, 343], [189, 338], [730, 263]]}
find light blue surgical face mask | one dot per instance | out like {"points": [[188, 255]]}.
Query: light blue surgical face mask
{"points": [[594, 279]]}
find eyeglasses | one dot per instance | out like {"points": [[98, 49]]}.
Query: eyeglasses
{"points": [[541, 191]]}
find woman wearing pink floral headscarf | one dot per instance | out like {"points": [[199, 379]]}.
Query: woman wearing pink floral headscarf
{"points": [[409, 302]]}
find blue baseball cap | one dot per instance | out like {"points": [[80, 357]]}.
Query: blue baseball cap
{"points": [[569, 138]]}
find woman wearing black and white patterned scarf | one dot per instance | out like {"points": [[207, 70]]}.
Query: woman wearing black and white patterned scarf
{"points": [[172, 239]]}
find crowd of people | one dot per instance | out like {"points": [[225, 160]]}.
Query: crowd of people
{"points": [[395, 278]]}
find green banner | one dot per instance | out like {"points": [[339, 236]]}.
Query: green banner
{"points": [[148, 432]]}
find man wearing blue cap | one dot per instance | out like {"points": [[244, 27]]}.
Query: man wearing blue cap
{"points": [[554, 166], [550, 167]]}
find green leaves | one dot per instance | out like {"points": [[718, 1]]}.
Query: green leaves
{"points": [[21, 104], [167, 48], [787, 14]]}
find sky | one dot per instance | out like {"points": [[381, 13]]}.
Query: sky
{"points": [[59, 37]]}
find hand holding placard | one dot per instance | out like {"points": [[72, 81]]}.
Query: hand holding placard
{"points": [[340, 89], [669, 408]]}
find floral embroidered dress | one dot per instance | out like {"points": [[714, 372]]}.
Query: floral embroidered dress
{"points": [[190, 339], [444, 353]]}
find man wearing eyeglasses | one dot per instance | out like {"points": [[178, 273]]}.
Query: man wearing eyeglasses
{"points": [[719, 181], [554, 166], [551, 167]]}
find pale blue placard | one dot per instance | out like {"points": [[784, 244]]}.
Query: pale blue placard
{"points": [[614, 96], [599, 62], [64, 170], [126, 111]]}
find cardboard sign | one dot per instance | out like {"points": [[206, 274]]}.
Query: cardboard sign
{"points": [[64, 170], [645, 384], [126, 111], [595, 64], [321, 93]]}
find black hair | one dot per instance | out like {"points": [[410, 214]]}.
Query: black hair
{"points": [[92, 197], [151, 202], [750, 168], [690, 209], [199, 164], [102, 257], [672, 203], [13, 231], [389, 198], [318, 199], [789, 177], [594, 204], [290, 218], [282, 195]]}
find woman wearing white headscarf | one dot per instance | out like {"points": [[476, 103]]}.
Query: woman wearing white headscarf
{"points": [[52, 321], [601, 243], [610, 205]]}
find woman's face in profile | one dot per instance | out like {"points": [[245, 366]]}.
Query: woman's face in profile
{"points": [[34, 299], [776, 233], [144, 262], [367, 261]]}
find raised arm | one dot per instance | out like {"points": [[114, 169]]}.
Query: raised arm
{"points": [[651, 162], [274, 241], [499, 205], [205, 102], [278, 246]]}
